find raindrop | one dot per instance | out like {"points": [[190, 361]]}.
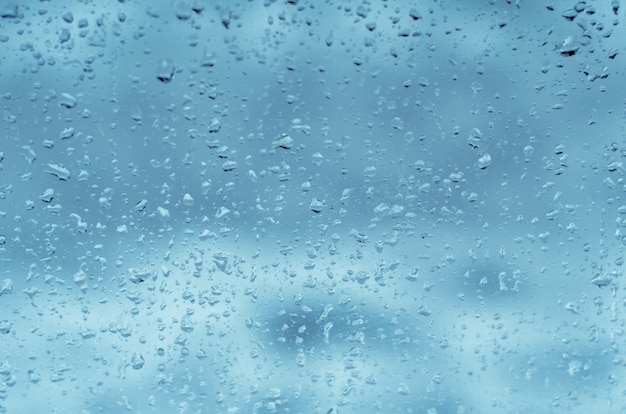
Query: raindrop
{"points": [[569, 47], [68, 17], [284, 142], [137, 361], [396, 123], [528, 152], [484, 161], [316, 206], [165, 70], [9, 11]]}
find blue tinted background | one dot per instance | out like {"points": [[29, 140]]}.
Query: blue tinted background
{"points": [[312, 207]]}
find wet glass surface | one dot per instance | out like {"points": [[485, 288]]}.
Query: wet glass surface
{"points": [[312, 207]]}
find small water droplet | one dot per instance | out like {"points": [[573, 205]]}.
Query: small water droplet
{"points": [[165, 70]]}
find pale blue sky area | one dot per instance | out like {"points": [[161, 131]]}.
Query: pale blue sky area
{"points": [[311, 207]]}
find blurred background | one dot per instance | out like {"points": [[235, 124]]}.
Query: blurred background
{"points": [[312, 207]]}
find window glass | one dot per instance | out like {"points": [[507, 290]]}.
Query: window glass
{"points": [[303, 206]]}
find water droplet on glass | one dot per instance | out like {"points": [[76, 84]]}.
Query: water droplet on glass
{"points": [[284, 142], [569, 14], [316, 206], [229, 165], [58, 171], [474, 138], [183, 11], [6, 287], [484, 161], [528, 152], [570, 47], [9, 11], [396, 123], [214, 126], [137, 361], [67, 133], [165, 70]]}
